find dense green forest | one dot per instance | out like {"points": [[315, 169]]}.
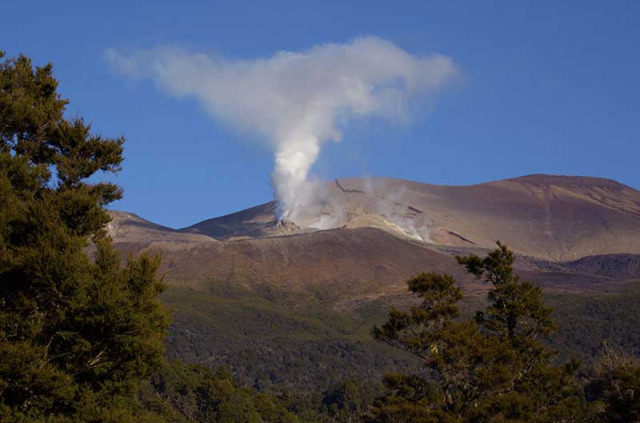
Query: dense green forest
{"points": [[83, 335]]}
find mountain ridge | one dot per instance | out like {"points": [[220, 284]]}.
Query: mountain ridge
{"points": [[552, 217]]}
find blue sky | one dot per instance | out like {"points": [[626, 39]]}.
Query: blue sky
{"points": [[546, 87]]}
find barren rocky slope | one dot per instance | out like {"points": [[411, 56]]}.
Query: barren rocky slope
{"points": [[130, 228], [555, 218]]}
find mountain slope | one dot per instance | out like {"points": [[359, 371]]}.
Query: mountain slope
{"points": [[130, 228], [545, 219], [545, 216], [334, 264]]}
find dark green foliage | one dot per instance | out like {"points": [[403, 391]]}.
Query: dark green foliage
{"points": [[77, 336], [421, 331], [275, 347], [515, 308], [194, 393], [308, 350], [616, 387], [494, 368], [587, 320], [344, 403]]}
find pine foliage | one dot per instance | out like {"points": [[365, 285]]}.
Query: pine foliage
{"points": [[77, 335], [494, 368]]}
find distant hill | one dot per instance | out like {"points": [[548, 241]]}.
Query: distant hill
{"points": [[130, 228]]}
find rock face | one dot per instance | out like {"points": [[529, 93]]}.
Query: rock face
{"points": [[556, 218]]}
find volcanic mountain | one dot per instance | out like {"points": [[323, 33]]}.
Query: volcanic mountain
{"points": [[246, 282], [380, 231], [548, 217]]}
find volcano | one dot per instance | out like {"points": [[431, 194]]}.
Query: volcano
{"points": [[290, 291], [381, 231], [548, 217]]}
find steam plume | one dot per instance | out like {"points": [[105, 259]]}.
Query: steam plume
{"points": [[296, 101]]}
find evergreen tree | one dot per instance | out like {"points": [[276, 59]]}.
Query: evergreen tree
{"points": [[616, 387], [76, 335], [194, 393], [344, 403], [494, 368]]}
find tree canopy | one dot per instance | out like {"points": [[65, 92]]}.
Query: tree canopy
{"points": [[494, 368], [77, 334]]}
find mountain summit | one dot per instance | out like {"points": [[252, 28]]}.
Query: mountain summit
{"points": [[545, 216]]}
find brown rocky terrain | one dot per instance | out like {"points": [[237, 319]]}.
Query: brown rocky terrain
{"points": [[130, 228], [556, 218]]}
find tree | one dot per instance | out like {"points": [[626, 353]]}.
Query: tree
{"points": [[616, 387], [494, 368], [77, 335], [196, 393], [343, 403]]}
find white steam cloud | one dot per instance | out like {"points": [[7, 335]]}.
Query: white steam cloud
{"points": [[295, 100]]}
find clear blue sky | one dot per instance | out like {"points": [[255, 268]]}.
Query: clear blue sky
{"points": [[547, 87]]}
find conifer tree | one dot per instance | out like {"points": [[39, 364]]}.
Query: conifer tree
{"points": [[615, 387], [494, 368], [77, 335]]}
